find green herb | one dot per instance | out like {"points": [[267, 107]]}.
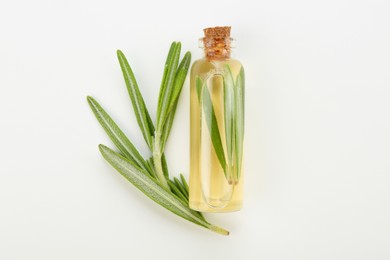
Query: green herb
{"points": [[229, 116], [230, 157], [151, 176], [211, 120], [239, 122]]}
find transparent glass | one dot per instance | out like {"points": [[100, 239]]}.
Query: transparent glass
{"points": [[217, 135]]}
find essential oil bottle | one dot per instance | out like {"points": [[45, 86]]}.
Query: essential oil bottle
{"points": [[216, 125]]}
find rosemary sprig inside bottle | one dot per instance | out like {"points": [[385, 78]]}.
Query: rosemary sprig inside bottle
{"points": [[151, 175]]}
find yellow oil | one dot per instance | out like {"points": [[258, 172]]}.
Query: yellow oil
{"points": [[209, 189]]}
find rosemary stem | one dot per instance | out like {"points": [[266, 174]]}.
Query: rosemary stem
{"points": [[157, 160], [219, 230]]}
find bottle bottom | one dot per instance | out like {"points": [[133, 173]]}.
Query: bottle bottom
{"points": [[204, 207]]}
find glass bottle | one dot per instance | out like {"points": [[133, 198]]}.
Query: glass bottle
{"points": [[216, 126]]}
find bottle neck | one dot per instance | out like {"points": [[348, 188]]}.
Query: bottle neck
{"points": [[216, 48]]}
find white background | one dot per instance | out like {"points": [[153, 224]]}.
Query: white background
{"points": [[317, 129]]}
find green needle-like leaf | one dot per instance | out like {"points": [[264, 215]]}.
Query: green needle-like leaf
{"points": [[183, 180], [167, 84], [151, 168], [168, 64], [229, 112], [116, 135], [199, 85], [141, 112], [164, 166], [181, 187], [211, 122], [177, 192], [184, 198], [180, 77], [153, 190], [239, 121], [167, 127]]}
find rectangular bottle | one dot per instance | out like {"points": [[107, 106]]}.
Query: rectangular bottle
{"points": [[216, 126]]}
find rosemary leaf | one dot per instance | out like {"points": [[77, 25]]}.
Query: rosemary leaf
{"points": [[140, 110], [229, 112], [167, 127], [181, 187], [116, 135], [199, 85], [167, 85], [185, 185], [211, 121], [164, 166], [175, 189], [239, 121], [151, 168], [177, 192], [180, 77], [164, 79]]}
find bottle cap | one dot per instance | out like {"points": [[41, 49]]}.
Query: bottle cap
{"points": [[217, 42]]}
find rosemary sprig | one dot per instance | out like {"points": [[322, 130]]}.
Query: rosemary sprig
{"points": [[172, 83], [230, 155], [151, 176]]}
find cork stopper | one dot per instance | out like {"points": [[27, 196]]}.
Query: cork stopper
{"points": [[217, 32], [217, 42]]}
